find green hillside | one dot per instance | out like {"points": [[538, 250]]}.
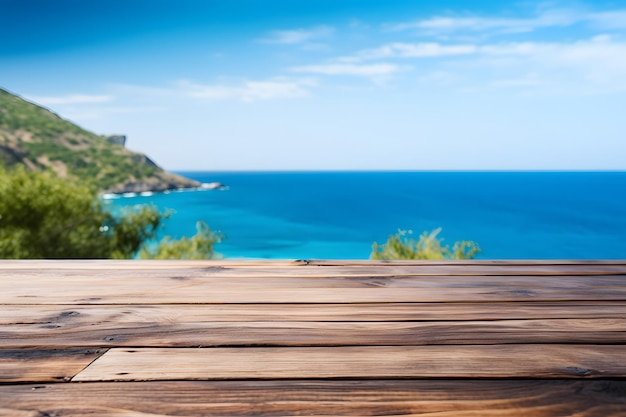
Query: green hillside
{"points": [[41, 140]]}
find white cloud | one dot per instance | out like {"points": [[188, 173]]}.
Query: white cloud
{"points": [[441, 77], [249, 91], [449, 24], [598, 51], [71, 99], [547, 19], [139, 91], [297, 36], [528, 80], [411, 50], [596, 65], [370, 70], [79, 114]]}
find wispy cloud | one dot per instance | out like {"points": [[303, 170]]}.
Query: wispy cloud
{"points": [[597, 63], [528, 80], [546, 19], [449, 24], [249, 91], [410, 50], [297, 36], [71, 99], [369, 70], [81, 114]]}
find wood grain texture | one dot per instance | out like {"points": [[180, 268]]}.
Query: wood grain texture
{"points": [[103, 288], [247, 278], [367, 312], [583, 398], [136, 264], [230, 338], [32, 365], [68, 333], [209, 268], [565, 263], [93, 264], [471, 361]]}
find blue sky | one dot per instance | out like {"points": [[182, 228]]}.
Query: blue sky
{"points": [[291, 85]]}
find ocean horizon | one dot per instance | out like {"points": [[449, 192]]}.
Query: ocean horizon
{"points": [[339, 214]]}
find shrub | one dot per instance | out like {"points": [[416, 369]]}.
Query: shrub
{"points": [[199, 246], [428, 246]]}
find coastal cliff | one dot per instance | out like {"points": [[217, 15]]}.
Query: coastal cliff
{"points": [[36, 138]]}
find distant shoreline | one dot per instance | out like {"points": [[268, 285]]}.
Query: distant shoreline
{"points": [[203, 187]]}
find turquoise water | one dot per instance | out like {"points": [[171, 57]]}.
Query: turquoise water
{"points": [[337, 215]]}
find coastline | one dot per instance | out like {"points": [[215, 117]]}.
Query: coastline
{"points": [[204, 186]]}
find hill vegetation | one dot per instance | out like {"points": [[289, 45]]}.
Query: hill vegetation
{"points": [[40, 140]]}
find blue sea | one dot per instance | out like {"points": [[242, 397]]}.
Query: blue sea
{"points": [[337, 215]]}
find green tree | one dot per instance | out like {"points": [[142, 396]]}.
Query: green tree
{"points": [[45, 217], [128, 232], [199, 246], [428, 246]]}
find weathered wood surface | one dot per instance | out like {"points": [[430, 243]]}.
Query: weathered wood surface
{"points": [[365, 312], [184, 287], [312, 337], [483, 361], [47, 365], [120, 331], [448, 398]]}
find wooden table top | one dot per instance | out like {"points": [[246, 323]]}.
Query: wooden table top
{"points": [[315, 338]]}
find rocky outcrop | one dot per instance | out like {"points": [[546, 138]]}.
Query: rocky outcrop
{"points": [[143, 159], [117, 139], [163, 182]]}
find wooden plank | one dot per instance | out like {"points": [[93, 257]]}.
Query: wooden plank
{"points": [[508, 262], [29, 365], [191, 334], [96, 264], [482, 361], [306, 270], [279, 263], [237, 278], [175, 278], [50, 288], [512, 398], [122, 315]]}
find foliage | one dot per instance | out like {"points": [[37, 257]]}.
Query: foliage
{"points": [[42, 216], [128, 233], [199, 246], [428, 246]]}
